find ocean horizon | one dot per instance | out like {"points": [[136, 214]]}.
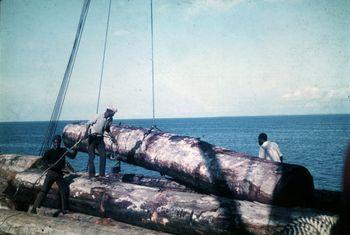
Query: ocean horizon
{"points": [[196, 117]]}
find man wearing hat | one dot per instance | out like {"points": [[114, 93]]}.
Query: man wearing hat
{"points": [[55, 158], [96, 129]]}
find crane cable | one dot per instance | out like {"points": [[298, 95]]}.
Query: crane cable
{"points": [[65, 82], [104, 55], [152, 49]]}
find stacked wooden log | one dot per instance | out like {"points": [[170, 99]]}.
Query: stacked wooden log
{"points": [[254, 190], [161, 209], [205, 167]]}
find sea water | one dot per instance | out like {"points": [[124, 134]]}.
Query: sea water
{"points": [[317, 142]]}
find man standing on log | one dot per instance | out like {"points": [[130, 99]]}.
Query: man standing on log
{"points": [[96, 129], [55, 158], [269, 150]]}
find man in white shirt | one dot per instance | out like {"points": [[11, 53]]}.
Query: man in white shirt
{"points": [[96, 129], [269, 150]]}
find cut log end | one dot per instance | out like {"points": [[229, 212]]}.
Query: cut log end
{"points": [[295, 187]]}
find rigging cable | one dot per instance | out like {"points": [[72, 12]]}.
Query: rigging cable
{"points": [[103, 59], [152, 49], [65, 82]]}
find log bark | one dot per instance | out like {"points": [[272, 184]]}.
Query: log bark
{"points": [[165, 210], [205, 167], [162, 183], [16, 222], [13, 163], [10, 164], [5, 203]]}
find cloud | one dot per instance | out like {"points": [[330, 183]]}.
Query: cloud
{"points": [[218, 4], [196, 7], [121, 32], [303, 93], [316, 93]]}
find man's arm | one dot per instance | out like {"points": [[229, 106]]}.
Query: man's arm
{"points": [[72, 153], [92, 121], [87, 130], [45, 159], [89, 124], [108, 125], [46, 156], [279, 153], [108, 129], [262, 153]]}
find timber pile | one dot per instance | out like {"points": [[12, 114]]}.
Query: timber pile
{"points": [[205, 167], [166, 210]]}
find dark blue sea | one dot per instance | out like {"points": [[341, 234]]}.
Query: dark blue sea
{"points": [[317, 142]]}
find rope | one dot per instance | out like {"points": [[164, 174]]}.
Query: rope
{"points": [[65, 82], [50, 167], [152, 42], [63, 155], [104, 55]]}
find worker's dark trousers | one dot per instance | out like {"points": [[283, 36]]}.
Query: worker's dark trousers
{"points": [[52, 177], [96, 142]]}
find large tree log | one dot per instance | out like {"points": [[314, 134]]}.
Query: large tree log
{"points": [[166, 210], [206, 167], [10, 164], [16, 222]]}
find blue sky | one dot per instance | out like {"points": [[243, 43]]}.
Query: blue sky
{"points": [[212, 58]]}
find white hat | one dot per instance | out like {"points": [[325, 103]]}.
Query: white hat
{"points": [[113, 108]]}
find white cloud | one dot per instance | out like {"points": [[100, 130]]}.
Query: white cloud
{"points": [[121, 32], [306, 92], [317, 93], [196, 7], [219, 4]]}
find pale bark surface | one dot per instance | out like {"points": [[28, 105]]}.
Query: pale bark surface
{"points": [[16, 222], [206, 167], [11, 163], [165, 210], [162, 183]]}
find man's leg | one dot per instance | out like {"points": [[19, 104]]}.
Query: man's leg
{"points": [[49, 180], [102, 153], [91, 151], [63, 191]]}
